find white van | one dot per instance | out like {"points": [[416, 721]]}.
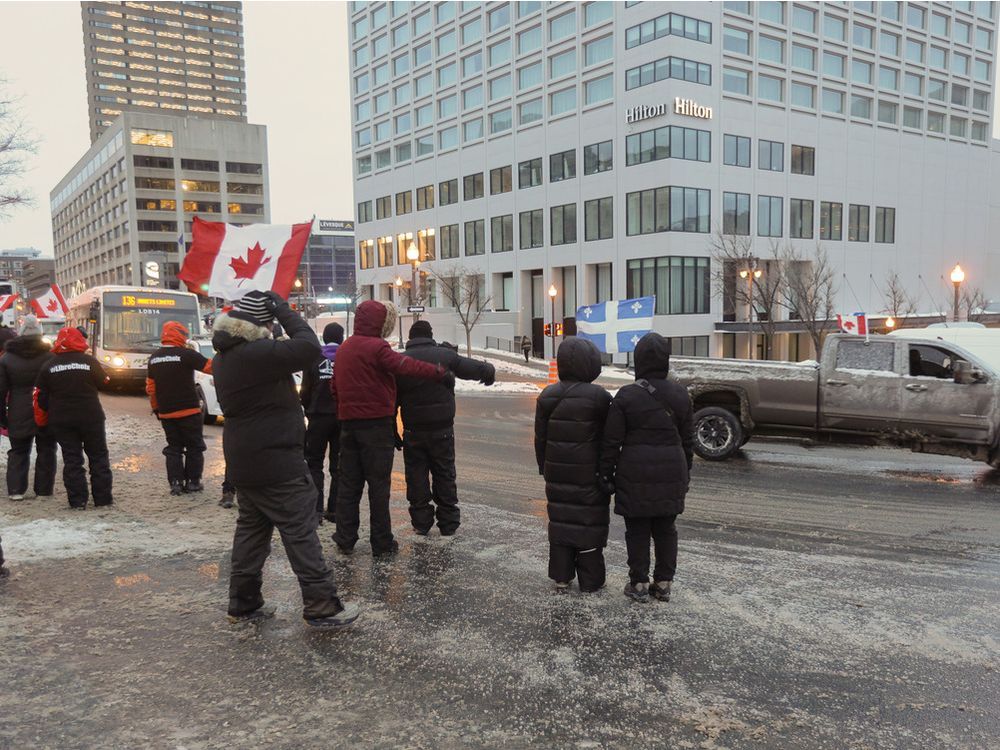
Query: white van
{"points": [[981, 341]]}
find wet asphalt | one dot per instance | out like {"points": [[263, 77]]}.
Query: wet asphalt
{"points": [[826, 597]]}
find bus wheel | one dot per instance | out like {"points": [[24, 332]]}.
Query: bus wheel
{"points": [[205, 416]]}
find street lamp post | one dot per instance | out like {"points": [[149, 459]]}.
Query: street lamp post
{"points": [[957, 277], [750, 273], [298, 289], [552, 295], [399, 297], [413, 255]]}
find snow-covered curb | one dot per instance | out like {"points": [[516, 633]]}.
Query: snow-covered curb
{"points": [[468, 386]]}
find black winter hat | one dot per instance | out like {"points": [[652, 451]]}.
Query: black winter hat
{"points": [[333, 333], [421, 330], [254, 308]]}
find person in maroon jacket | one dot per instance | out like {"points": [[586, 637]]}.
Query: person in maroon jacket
{"points": [[364, 388]]}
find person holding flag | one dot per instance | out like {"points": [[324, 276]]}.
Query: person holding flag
{"points": [[174, 399]]}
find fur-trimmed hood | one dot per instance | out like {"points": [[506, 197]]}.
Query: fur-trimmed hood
{"points": [[375, 318], [229, 332]]}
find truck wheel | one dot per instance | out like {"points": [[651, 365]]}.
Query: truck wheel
{"points": [[205, 416], [718, 433]]}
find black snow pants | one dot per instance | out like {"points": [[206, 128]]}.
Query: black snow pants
{"points": [[19, 463], [662, 530], [322, 445], [74, 441], [289, 507], [565, 563], [429, 458], [185, 449], [366, 455]]}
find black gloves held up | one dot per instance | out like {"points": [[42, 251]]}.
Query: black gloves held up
{"points": [[489, 374], [275, 302]]}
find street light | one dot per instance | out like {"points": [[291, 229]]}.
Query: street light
{"points": [[399, 294], [957, 277], [750, 273], [890, 322], [552, 296]]}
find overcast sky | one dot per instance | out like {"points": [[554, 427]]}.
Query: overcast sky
{"points": [[297, 80]]}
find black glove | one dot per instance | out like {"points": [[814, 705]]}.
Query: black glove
{"points": [[275, 302], [448, 380], [489, 374], [606, 485]]}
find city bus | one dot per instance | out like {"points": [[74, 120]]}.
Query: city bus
{"points": [[124, 324]]}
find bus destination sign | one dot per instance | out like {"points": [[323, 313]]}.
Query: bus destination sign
{"points": [[131, 300]]}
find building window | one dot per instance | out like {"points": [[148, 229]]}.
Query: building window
{"points": [[472, 186], [383, 207], [447, 192], [562, 224], [598, 90], [598, 157], [682, 285], [769, 212], [384, 245], [670, 24], [736, 81], [598, 219], [529, 173], [736, 150], [531, 229], [885, 224], [366, 254], [668, 142], [502, 234], [364, 212], [857, 223], [530, 111], [562, 166], [562, 27], [562, 101], [669, 67], [501, 121], [735, 40], [771, 155], [831, 221], [598, 12], [667, 209], [472, 130], [449, 241], [599, 50], [736, 213], [425, 197], [158, 138], [475, 237], [803, 160], [404, 203], [500, 180], [800, 218]]}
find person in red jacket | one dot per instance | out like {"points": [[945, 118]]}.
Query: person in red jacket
{"points": [[364, 388]]}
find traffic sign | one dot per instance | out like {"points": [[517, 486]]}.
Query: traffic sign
{"points": [[415, 308]]}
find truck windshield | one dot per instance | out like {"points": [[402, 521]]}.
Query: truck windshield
{"points": [[134, 323]]}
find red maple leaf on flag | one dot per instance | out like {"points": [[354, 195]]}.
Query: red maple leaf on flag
{"points": [[52, 306], [247, 269]]}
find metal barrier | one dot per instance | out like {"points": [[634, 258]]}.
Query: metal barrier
{"points": [[504, 345]]}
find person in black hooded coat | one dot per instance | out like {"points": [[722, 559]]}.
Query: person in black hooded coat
{"points": [[646, 458], [569, 422], [19, 368]]}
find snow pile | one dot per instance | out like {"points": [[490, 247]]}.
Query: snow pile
{"points": [[513, 368], [47, 539], [470, 386]]}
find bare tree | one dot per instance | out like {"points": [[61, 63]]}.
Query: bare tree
{"points": [[810, 290], [974, 303], [732, 253], [898, 302], [461, 288], [16, 144]]}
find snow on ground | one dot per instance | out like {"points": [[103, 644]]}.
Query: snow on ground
{"points": [[469, 386]]}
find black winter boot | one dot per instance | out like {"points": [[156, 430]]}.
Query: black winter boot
{"points": [[176, 488]]}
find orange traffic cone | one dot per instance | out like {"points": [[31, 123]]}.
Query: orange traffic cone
{"points": [[553, 372]]}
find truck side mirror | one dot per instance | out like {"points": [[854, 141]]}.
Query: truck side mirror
{"points": [[966, 374]]}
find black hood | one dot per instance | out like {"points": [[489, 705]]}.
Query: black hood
{"points": [[420, 341], [28, 347], [578, 360], [652, 357]]}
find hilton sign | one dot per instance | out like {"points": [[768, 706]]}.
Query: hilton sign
{"points": [[687, 107]]}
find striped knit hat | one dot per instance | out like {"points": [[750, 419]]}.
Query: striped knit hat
{"points": [[253, 308]]}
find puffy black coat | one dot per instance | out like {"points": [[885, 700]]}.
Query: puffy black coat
{"points": [[264, 434], [19, 368], [647, 452], [569, 421], [430, 404]]}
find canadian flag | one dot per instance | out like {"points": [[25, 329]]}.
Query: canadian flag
{"points": [[6, 300], [51, 305], [227, 261], [856, 324]]}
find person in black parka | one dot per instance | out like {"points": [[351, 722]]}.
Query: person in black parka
{"points": [[19, 368], [323, 431], [569, 422], [646, 460], [428, 412]]}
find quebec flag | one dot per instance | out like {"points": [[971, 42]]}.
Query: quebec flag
{"points": [[616, 326]]}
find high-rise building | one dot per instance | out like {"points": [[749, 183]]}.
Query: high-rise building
{"points": [[605, 147], [180, 58], [123, 214], [328, 262]]}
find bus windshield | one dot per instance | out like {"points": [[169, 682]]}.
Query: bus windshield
{"points": [[133, 322]]}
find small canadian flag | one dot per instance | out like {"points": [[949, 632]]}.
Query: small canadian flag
{"points": [[51, 305], [228, 261], [856, 323]]}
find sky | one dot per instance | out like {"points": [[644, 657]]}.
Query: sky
{"points": [[297, 85]]}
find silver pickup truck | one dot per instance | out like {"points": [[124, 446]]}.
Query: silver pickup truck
{"points": [[930, 396]]}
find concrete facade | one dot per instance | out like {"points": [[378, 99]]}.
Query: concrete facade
{"points": [[865, 127], [131, 199]]}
